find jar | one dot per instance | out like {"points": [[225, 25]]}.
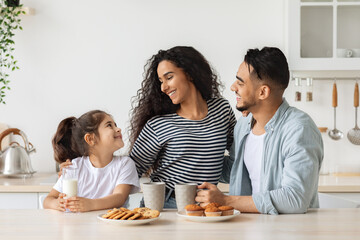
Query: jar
{"points": [[297, 89], [309, 89]]}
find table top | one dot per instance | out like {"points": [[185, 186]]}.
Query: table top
{"points": [[50, 224]]}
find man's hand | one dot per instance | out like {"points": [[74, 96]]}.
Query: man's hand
{"points": [[78, 204], [210, 194]]}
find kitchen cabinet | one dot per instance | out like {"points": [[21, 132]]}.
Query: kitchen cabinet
{"points": [[339, 200], [323, 35], [32, 200], [335, 191], [19, 201]]}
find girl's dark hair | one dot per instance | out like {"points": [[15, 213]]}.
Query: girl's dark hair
{"points": [[150, 101], [270, 65], [69, 142]]}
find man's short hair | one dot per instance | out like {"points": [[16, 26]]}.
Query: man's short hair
{"points": [[270, 65]]}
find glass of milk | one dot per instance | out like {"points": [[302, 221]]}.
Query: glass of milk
{"points": [[70, 182]]}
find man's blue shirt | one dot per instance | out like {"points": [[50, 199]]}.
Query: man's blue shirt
{"points": [[292, 156]]}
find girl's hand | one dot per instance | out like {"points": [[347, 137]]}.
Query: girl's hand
{"points": [[79, 204], [64, 165], [61, 202]]}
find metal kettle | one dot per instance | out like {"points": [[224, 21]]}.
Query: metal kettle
{"points": [[15, 160]]}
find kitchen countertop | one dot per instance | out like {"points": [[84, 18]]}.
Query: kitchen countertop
{"points": [[50, 224], [43, 182], [39, 182]]}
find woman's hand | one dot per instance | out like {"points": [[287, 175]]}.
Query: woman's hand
{"points": [[79, 204], [64, 165]]}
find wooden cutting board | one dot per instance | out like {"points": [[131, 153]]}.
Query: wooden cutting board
{"points": [[6, 141]]}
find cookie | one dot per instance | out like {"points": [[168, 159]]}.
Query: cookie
{"points": [[151, 213], [110, 213], [119, 215], [127, 215], [141, 210], [135, 216]]}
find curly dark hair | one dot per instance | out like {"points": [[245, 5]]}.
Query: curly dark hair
{"points": [[150, 101]]}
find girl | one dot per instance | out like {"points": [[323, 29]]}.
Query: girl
{"points": [[180, 125], [104, 181]]}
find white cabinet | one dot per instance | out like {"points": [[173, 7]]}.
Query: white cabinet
{"points": [[32, 200], [19, 200], [323, 35], [339, 200]]}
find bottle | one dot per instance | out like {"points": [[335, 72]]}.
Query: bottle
{"points": [[309, 89], [297, 89]]}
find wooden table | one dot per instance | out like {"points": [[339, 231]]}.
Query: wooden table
{"points": [[49, 224]]}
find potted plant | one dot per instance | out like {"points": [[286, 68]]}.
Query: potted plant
{"points": [[10, 11]]}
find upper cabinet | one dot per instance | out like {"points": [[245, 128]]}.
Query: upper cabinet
{"points": [[324, 35]]}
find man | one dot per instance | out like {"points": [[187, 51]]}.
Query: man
{"points": [[277, 151]]}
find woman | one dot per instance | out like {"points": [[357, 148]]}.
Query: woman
{"points": [[180, 125]]}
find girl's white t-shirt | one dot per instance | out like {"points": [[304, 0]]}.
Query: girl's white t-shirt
{"points": [[100, 182]]}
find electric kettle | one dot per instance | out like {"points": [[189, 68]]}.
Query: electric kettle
{"points": [[15, 160]]}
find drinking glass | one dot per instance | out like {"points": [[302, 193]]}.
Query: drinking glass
{"points": [[70, 182]]}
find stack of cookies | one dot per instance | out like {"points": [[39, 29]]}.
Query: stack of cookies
{"points": [[126, 214], [210, 210]]}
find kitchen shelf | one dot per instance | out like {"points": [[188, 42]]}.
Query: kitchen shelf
{"points": [[327, 74], [324, 35], [330, 4]]}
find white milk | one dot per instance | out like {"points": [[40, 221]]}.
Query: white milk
{"points": [[70, 187]]}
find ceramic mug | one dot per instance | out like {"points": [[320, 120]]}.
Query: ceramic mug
{"points": [[185, 194], [343, 52], [154, 195]]}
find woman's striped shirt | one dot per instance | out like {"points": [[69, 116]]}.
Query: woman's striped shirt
{"points": [[187, 150]]}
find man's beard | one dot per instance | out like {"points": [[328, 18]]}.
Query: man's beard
{"points": [[243, 108], [246, 106]]}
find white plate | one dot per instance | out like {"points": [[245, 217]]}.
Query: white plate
{"points": [[127, 222], [207, 219]]}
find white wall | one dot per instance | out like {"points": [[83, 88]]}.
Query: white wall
{"points": [[341, 155], [81, 55]]}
